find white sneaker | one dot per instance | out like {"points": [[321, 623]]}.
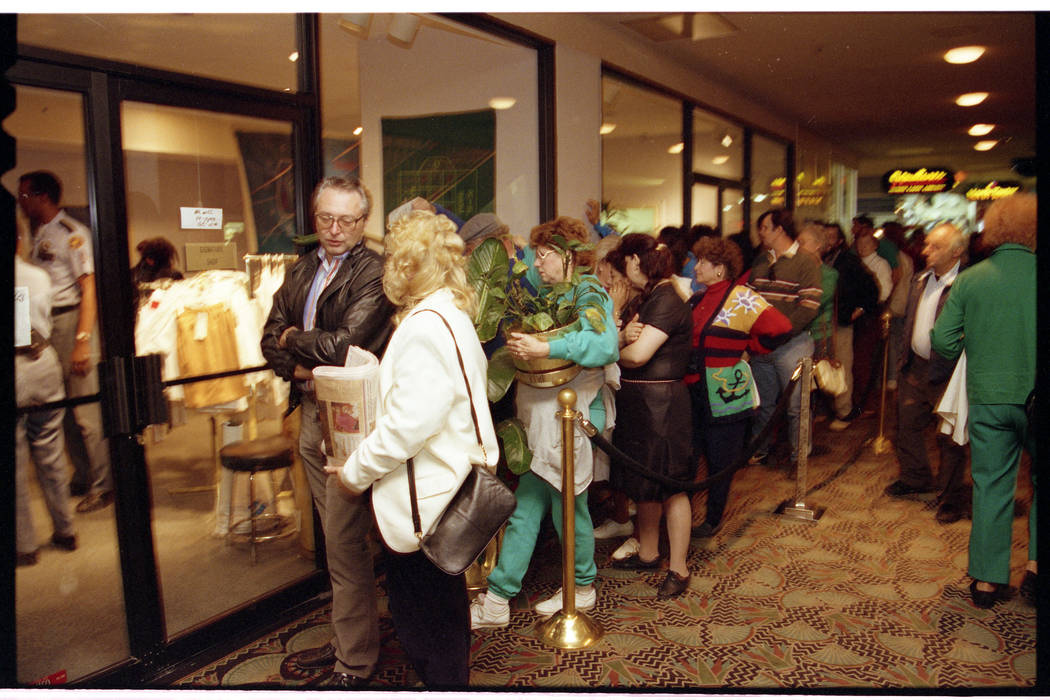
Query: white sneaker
{"points": [[610, 528], [585, 600], [489, 611], [629, 547]]}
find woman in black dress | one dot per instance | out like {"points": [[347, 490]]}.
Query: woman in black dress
{"points": [[654, 419]]}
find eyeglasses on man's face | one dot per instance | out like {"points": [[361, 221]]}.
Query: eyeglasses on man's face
{"points": [[344, 223]]}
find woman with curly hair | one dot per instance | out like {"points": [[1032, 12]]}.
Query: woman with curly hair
{"points": [[727, 320], [592, 347], [425, 413], [653, 405]]}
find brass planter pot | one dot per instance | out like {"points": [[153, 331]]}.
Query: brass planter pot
{"points": [[548, 372]]}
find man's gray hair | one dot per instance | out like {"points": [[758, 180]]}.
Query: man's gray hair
{"points": [[345, 184]]}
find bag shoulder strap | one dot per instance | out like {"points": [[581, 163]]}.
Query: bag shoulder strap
{"points": [[416, 522]]}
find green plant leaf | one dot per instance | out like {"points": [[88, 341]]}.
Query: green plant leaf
{"points": [[500, 374], [487, 274], [537, 322], [514, 445]]}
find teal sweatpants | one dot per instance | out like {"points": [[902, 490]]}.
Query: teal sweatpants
{"points": [[998, 432], [535, 498]]}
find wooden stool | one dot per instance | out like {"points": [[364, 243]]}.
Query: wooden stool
{"points": [[252, 456]]}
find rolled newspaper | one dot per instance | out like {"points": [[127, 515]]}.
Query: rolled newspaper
{"points": [[346, 399]]}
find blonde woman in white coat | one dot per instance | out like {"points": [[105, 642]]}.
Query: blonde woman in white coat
{"points": [[424, 413]]}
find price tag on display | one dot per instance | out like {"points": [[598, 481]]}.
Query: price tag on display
{"points": [[199, 217]]}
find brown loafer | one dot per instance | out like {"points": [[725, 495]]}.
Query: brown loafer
{"points": [[673, 586]]}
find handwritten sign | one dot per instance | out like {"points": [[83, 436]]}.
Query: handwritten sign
{"points": [[199, 217], [211, 256]]}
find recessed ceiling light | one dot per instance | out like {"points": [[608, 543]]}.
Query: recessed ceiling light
{"points": [[502, 102], [606, 128], [964, 54], [293, 56], [971, 98], [358, 130], [720, 160], [985, 145], [981, 129], [676, 149]]}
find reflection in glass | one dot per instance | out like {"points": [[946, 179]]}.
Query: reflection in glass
{"points": [[732, 211], [218, 189], [769, 169], [718, 146], [705, 205], [69, 606], [640, 177]]}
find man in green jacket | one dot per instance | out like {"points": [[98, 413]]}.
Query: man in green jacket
{"points": [[991, 315]]}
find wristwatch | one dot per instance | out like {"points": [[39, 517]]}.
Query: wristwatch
{"points": [[83, 336]]}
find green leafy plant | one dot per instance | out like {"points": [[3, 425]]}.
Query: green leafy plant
{"points": [[504, 300]]}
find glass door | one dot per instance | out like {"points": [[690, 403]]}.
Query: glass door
{"points": [[69, 604], [211, 209]]}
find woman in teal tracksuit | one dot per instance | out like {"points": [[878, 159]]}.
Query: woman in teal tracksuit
{"points": [[991, 315], [592, 347]]}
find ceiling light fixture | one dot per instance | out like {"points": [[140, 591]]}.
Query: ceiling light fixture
{"points": [[981, 129], [358, 130], [676, 149], [964, 54], [357, 23], [502, 102], [727, 140], [293, 56], [985, 145], [606, 128], [720, 160], [403, 29], [971, 98]]}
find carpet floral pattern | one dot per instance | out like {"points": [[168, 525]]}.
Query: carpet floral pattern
{"points": [[873, 594]]}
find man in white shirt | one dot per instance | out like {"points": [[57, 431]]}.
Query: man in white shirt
{"points": [[879, 267], [38, 434], [63, 247], [923, 376]]}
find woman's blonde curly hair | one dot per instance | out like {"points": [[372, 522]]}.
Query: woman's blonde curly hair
{"points": [[424, 254]]}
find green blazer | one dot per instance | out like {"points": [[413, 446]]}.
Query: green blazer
{"points": [[991, 314]]}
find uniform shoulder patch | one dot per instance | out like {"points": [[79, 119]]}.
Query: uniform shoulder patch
{"points": [[76, 241], [66, 225]]}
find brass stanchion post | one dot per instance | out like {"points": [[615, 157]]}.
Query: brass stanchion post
{"points": [[881, 444], [797, 508], [568, 628]]}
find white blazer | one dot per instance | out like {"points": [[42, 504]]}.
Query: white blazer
{"points": [[423, 413]]}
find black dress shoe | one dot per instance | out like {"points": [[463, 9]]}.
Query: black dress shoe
{"points": [[346, 680], [988, 599], [899, 488], [673, 586], [318, 657], [706, 529], [636, 562], [66, 542], [96, 501], [1028, 586], [948, 513]]}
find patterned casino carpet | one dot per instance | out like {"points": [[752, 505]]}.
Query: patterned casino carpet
{"points": [[872, 595]]}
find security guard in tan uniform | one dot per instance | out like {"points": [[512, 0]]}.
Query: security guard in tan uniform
{"points": [[62, 246]]}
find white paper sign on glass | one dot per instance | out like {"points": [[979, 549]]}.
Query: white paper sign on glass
{"points": [[200, 217]]}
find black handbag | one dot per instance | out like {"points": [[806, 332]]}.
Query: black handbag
{"points": [[475, 514]]}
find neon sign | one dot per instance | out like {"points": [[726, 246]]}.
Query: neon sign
{"points": [[921, 181]]}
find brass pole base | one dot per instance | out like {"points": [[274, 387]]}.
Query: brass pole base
{"points": [[564, 631], [881, 445]]}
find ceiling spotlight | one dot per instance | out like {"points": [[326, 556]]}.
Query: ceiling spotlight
{"points": [[985, 145], [720, 160], [502, 102], [727, 140], [357, 24], [981, 129], [293, 56], [964, 54], [403, 28], [358, 130], [606, 128], [971, 98], [676, 149]]}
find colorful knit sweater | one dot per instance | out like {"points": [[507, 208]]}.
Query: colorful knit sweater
{"points": [[791, 283]]}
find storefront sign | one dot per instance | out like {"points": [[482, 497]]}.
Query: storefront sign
{"points": [[777, 191], [199, 217], [211, 256], [992, 190], [921, 181]]}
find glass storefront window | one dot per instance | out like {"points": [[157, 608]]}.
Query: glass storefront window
{"points": [[420, 106], [718, 146], [732, 211], [769, 169], [641, 156], [705, 205], [253, 49]]}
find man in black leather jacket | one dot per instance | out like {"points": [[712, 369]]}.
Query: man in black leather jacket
{"points": [[333, 298]]}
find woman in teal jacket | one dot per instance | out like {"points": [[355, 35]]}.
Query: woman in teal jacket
{"points": [[991, 315], [592, 347]]}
